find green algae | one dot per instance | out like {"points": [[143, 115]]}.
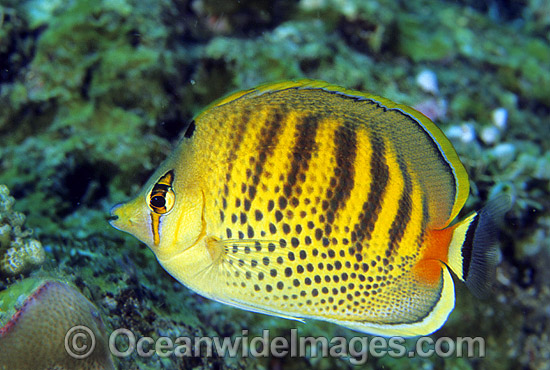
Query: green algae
{"points": [[12, 298]]}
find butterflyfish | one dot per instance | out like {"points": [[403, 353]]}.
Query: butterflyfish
{"points": [[305, 200]]}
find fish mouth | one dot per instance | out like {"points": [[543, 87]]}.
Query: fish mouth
{"points": [[113, 217]]}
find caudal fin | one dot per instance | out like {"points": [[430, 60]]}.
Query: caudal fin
{"points": [[472, 251]]}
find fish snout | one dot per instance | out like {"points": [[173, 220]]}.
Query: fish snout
{"points": [[113, 216]]}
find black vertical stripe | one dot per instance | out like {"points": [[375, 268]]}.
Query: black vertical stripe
{"points": [[404, 211], [467, 247], [269, 136], [239, 128], [190, 130], [379, 180], [306, 131], [345, 141], [425, 221]]}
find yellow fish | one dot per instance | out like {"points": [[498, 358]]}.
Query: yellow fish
{"points": [[307, 200]]}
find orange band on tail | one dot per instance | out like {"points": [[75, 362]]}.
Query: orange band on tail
{"points": [[428, 269]]}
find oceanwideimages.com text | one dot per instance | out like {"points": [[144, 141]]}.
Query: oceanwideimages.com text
{"points": [[80, 343]]}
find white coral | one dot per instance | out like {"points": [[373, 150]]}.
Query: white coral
{"points": [[18, 253]]}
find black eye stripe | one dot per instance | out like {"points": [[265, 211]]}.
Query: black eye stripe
{"points": [[160, 194], [160, 188], [161, 198]]}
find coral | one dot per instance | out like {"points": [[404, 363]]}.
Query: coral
{"points": [[36, 317], [18, 252], [79, 76]]}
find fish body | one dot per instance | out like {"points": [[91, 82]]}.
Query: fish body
{"points": [[307, 200]]}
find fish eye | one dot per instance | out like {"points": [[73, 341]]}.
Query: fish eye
{"points": [[158, 201], [161, 199]]}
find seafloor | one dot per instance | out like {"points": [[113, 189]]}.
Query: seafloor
{"points": [[93, 95]]}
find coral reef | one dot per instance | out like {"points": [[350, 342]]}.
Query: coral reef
{"points": [[35, 318], [18, 252]]}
